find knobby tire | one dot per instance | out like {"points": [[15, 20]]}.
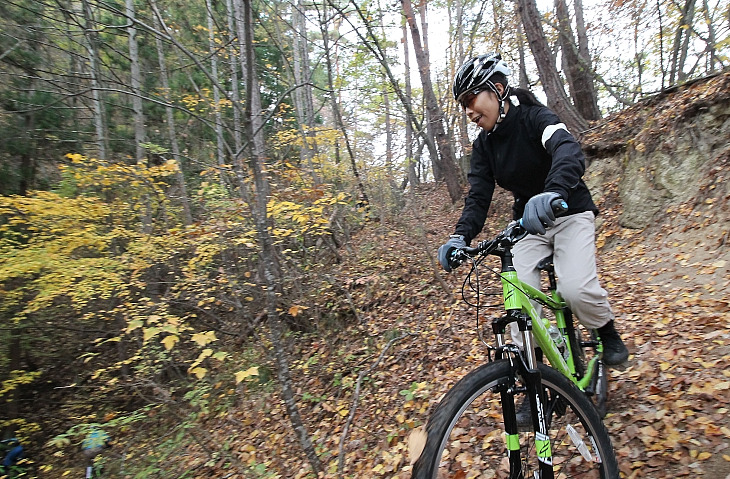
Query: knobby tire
{"points": [[465, 433]]}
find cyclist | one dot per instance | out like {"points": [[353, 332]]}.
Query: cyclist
{"points": [[93, 444], [525, 148]]}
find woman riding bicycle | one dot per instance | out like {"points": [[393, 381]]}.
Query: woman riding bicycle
{"points": [[525, 149]]}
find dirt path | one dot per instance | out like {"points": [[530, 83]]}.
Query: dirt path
{"points": [[669, 410]]}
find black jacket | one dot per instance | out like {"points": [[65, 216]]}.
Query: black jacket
{"points": [[530, 152]]}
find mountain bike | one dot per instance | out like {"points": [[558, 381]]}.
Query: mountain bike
{"points": [[476, 422]]}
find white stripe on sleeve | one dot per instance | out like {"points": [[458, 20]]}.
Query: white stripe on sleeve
{"points": [[550, 130]]}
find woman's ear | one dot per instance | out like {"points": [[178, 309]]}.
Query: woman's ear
{"points": [[500, 88]]}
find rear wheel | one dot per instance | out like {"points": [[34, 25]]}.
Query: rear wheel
{"points": [[465, 434]]}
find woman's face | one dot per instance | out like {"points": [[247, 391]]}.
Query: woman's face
{"points": [[483, 108]]}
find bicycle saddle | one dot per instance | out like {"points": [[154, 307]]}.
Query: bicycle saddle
{"points": [[546, 264]]}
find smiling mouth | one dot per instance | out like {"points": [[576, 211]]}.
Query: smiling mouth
{"points": [[476, 119]]}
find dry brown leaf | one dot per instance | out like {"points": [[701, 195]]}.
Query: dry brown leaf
{"points": [[416, 443]]}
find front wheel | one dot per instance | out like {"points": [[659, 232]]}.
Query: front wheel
{"points": [[465, 434]]}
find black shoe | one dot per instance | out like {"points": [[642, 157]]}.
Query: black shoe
{"points": [[614, 349], [524, 415]]}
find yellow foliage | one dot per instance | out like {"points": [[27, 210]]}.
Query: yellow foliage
{"points": [[84, 255], [170, 341], [17, 378], [205, 338], [250, 372], [24, 430]]}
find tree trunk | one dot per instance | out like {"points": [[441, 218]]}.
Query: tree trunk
{"points": [[389, 148], [661, 42], [523, 81], [136, 83], [577, 69], [218, 115], [171, 132], [557, 99], [243, 22], [238, 152], [711, 35], [580, 25], [269, 266], [638, 55], [435, 126], [460, 57], [303, 101], [411, 161], [92, 48], [689, 21], [681, 43]]}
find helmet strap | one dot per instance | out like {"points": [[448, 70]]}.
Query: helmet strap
{"points": [[502, 98]]}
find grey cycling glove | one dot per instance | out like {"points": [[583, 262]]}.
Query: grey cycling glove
{"points": [[456, 241], [539, 213]]}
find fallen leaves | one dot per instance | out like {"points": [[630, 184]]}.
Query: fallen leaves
{"points": [[668, 411]]}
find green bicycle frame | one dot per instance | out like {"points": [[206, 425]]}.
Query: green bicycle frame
{"points": [[519, 296]]}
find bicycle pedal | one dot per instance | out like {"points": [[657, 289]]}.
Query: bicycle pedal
{"points": [[618, 367]]}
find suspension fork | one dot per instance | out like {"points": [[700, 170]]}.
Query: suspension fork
{"points": [[536, 394], [524, 365], [507, 394]]}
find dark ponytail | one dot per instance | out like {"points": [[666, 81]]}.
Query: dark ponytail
{"points": [[525, 97]]}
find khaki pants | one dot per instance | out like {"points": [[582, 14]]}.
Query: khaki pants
{"points": [[572, 243]]}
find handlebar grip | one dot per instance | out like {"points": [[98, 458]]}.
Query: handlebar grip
{"points": [[559, 206], [456, 257]]}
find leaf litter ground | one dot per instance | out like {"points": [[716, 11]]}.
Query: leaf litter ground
{"points": [[410, 338]]}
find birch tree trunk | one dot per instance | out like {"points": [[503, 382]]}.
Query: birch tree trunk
{"points": [[410, 159], [213, 49], [92, 48], [303, 101], [271, 271], [446, 160], [171, 132], [558, 100]]}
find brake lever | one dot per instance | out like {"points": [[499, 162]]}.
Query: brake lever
{"points": [[458, 257], [514, 232]]}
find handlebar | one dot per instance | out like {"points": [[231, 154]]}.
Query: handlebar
{"points": [[504, 241]]}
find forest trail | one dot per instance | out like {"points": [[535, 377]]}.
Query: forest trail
{"points": [[668, 410], [410, 340]]}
